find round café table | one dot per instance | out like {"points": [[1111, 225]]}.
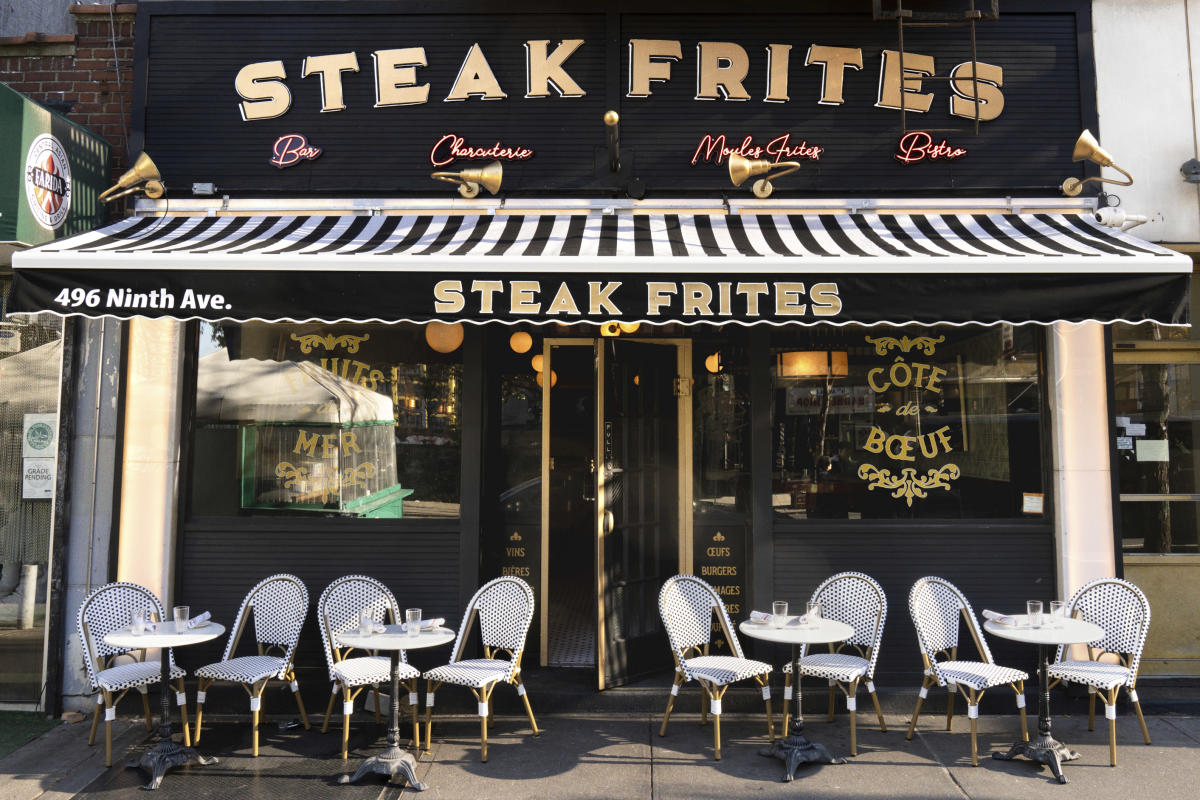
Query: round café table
{"points": [[797, 634], [166, 754], [395, 760], [1054, 631]]}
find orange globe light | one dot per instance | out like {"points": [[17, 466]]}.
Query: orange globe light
{"points": [[553, 378], [444, 337], [520, 342], [629, 327], [713, 363], [536, 363]]}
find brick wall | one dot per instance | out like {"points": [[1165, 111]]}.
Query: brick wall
{"points": [[79, 71]]}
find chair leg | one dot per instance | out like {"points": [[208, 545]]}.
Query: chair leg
{"points": [[973, 714], [1019, 688], [347, 712], [202, 685], [671, 702], [109, 714], [375, 692], [329, 709], [1091, 708], [878, 710], [484, 696], [146, 707], [950, 697], [528, 708], [413, 709], [1110, 712], [299, 701], [832, 698], [256, 693], [852, 711], [430, 690], [912, 725], [765, 682], [1133, 698], [787, 702], [181, 701], [716, 693], [96, 718], [705, 702]]}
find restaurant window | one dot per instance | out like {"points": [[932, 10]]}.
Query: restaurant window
{"points": [[907, 423], [351, 420], [721, 425], [1156, 371]]}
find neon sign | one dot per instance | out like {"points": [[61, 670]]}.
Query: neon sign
{"points": [[716, 149], [919, 145], [452, 147], [292, 148]]}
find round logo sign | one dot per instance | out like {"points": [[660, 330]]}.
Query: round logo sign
{"points": [[39, 436], [48, 181]]}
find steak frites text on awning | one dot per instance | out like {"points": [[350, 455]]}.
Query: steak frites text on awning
{"points": [[773, 268]]}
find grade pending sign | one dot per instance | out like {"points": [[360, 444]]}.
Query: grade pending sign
{"points": [[391, 92]]}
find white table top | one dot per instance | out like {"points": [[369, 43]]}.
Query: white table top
{"points": [[164, 637], [394, 638], [1059, 630], [823, 631]]}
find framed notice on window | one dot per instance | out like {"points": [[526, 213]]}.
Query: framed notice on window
{"points": [[37, 478]]}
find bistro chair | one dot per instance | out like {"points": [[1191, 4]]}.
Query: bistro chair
{"points": [[279, 605], [857, 600], [504, 607], [107, 609], [1123, 612], [935, 605], [339, 610], [686, 604]]}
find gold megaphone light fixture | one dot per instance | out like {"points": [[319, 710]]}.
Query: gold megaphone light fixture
{"points": [[143, 176], [741, 168], [469, 180], [1088, 149]]}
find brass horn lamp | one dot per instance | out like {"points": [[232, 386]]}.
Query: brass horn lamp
{"points": [[741, 168], [1088, 149], [143, 176], [469, 180]]}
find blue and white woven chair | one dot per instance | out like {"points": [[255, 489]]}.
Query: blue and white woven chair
{"points": [[857, 600], [105, 610], [936, 605], [686, 604], [1123, 612], [279, 605], [339, 610], [504, 607]]}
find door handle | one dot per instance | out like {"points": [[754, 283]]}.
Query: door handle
{"points": [[609, 522]]}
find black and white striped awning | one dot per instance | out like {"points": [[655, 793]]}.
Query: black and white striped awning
{"points": [[827, 268]]}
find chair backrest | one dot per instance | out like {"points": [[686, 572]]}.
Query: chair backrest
{"points": [[1122, 610], [105, 610], [857, 600], [339, 609], [686, 604], [278, 605], [936, 606], [504, 607]]}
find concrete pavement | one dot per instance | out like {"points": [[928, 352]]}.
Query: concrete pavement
{"points": [[616, 756]]}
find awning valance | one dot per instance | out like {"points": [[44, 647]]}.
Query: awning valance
{"points": [[685, 268]]}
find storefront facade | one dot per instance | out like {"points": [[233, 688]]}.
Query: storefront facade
{"points": [[618, 360]]}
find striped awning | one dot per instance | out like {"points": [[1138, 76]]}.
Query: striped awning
{"points": [[812, 268]]}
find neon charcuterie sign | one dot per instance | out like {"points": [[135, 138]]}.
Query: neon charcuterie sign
{"points": [[452, 147], [716, 149], [919, 146], [292, 148]]}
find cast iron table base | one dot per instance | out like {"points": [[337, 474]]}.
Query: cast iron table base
{"points": [[166, 754], [795, 750], [395, 760], [1044, 749]]}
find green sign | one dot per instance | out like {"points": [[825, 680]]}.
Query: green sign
{"points": [[50, 175]]}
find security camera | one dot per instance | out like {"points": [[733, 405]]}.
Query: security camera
{"points": [[1111, 217]]}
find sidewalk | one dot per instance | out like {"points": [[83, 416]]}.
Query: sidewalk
{"points": [[621, 756]]}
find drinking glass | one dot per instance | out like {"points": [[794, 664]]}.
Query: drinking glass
{"points": [[412, 621], [366, 622], [812, 611], [181, 615], [1058, 612], [1034, 609], [138, 622], [779, 613]]}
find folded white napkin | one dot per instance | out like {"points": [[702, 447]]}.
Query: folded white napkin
{"points": [[426, 624], [1002, 619], [198, 621]]}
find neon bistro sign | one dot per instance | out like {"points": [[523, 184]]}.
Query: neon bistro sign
{"points": [[919, 146], [716, 149]]}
